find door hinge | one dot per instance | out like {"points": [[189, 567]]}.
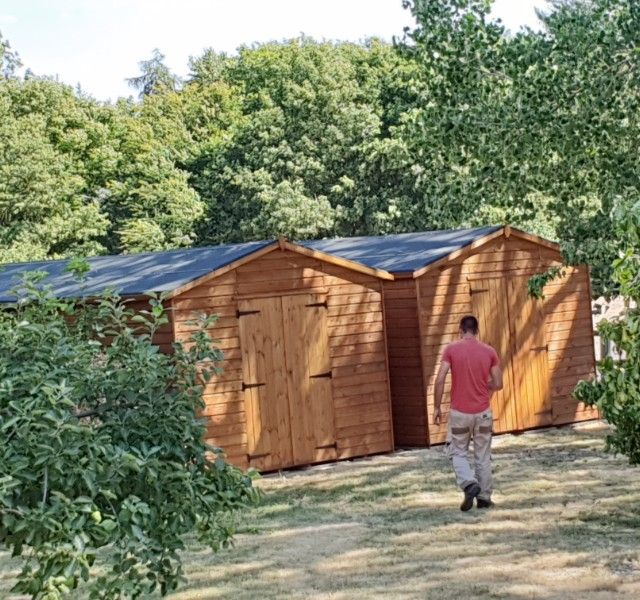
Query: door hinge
{"points": [[318, 304], [471, 291], [242, 313], [246, 386], [327, 375], [254, 456], [327, 446]]}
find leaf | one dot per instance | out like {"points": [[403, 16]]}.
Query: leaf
{"points": [[108, 525]]}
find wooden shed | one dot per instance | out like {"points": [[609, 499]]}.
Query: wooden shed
{"points": [[305, 372], [546, 346]]}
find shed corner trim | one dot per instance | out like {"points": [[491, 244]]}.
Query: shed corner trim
{"points": [[530, 237], [335, 260], [481, 241], [222, 270]]}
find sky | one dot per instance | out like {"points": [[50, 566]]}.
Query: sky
{"points": [[98, 43]]}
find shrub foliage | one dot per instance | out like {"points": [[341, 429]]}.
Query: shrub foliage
{"points": [[102, 447], [617, 391]]}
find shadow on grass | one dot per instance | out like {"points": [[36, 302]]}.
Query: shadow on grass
{"points": [[566, 527]]}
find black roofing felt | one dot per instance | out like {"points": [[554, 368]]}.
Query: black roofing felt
{"points": [[136, 274], [401, 253], [129, 274]]}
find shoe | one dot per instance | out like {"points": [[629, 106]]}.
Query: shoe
{"points": [[470, 493], [484, 503]]}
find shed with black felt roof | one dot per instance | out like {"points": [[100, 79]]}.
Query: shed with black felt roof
{"points": [[305, 376], [546, 345]]}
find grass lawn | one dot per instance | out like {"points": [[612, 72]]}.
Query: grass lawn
{"points": [[567, 526]]}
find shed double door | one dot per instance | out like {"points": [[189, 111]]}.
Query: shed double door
{"points": [[513, 323], [287, 381]]}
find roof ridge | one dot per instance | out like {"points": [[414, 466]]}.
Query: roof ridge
{"points": [[387, 235]]}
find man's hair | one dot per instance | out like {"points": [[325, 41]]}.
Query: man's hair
{"points": [[469, 324]]}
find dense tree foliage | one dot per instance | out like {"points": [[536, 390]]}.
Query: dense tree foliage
{"points": [[311, 154], [460, 123], [155, 76], [617, 391], [78, 177], [537, 128], [101, 447]]}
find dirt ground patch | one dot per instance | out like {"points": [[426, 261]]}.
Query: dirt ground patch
{"points": [[566, 526]]}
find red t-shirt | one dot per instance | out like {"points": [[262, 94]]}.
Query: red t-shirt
{"points": [[471, 362]]}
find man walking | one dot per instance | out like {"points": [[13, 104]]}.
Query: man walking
{"points": [[475, 375]]}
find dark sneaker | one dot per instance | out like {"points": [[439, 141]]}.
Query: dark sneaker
{"points": [[470, 493], [484, 503]]}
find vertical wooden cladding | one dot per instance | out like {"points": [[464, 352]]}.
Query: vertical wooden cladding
{"points": [[405, 367], [489, 298], [546, 347], [309, 374], [305, 374], [530, 356], [569, 333], [264, 379]]}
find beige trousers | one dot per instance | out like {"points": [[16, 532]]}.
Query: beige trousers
{"points": [[463, 427]]}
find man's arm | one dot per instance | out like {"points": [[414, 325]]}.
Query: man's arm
{"points": [[495, 381], [439, 390]]}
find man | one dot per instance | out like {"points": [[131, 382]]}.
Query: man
{"points": [[475, 375]]}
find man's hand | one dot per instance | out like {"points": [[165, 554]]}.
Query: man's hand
{"points": [[438, 391], [495, 379]]}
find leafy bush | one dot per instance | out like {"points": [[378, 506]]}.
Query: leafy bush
{"points": [[617, 391], [101, 447]]}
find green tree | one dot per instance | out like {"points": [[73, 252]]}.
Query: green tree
{"points": [[535, 128], [313, 120], [9, 60], [102, 448], [78, 177], [50, 150], [616, 392], [155, 76]]}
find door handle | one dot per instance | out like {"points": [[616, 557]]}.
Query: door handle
{"points": [[246, 386], [318, 304], [539, 348], [244, 313], [254, 456], [327, 375]]}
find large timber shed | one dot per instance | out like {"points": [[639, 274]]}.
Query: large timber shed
{"points": [[305, 376], [546, 346]]}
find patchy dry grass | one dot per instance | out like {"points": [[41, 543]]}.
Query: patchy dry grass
{"points": [[567, 526]]}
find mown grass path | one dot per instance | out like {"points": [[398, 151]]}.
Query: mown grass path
{"points": [[567, 526]]}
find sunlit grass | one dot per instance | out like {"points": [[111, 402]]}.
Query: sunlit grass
{"points": [[567, 526]]}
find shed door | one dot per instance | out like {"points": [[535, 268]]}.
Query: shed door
{"points": [[490, 305], [309, 378], [530, 352], [265, 383]]}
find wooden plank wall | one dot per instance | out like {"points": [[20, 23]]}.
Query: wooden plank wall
{"points": [[444, 299], [569, 331], [357, 345], [405, 365]]}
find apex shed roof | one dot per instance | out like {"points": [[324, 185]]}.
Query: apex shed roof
{"points": [[174, 270], [401, 253], [129, 274]]}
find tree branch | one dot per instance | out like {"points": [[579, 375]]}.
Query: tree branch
{"points": [[45, 486]]}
